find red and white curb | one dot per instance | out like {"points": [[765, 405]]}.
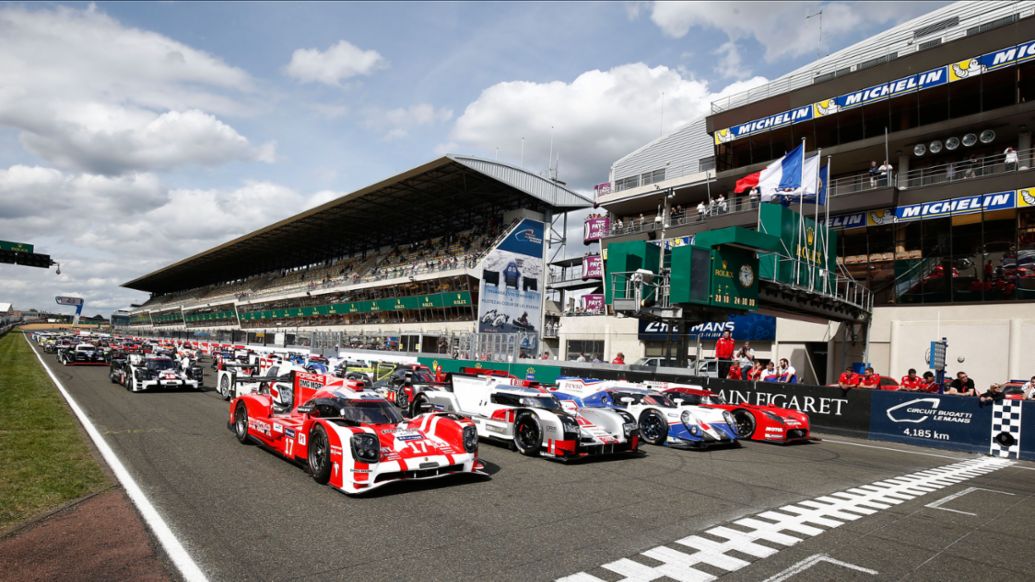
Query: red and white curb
{"points": [[783, 527]]}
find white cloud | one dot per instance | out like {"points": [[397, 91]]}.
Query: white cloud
{"points": [[88, 93], [107, 230], [597, 118], [341, 61], [397, 123], [780, 27], [730, 65]]}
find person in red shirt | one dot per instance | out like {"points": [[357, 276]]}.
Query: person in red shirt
{"points": [[735, 373], [619, 359], [911, 381], [755, 373], [869, 379], [848, 379], [724, 347]]}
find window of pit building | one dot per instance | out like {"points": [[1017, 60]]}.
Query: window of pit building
{"points": [[591, 348]]}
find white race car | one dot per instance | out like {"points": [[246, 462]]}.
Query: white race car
{"points": [[534, 421], [663, 419]]}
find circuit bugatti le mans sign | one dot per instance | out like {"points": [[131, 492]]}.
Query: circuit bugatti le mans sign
{"points": [[62, 300]]}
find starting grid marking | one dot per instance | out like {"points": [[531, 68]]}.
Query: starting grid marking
{"points": [[785, 526]]}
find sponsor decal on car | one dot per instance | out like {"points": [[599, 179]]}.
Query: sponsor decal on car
{"points": [[259, 426], [278, 428], [301, 438], [290, 433]]}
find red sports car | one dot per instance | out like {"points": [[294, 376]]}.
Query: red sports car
{"points": [[352, 438], [753, 421]]}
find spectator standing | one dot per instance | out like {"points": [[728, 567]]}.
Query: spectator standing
{"points": [[735, 373], [1010, 159], [869, 379], [581, 358], [745, 357], [848, 379], [911, 381], [885, 173], [753, 196], [724, 347], [874, 172], [619, 359], [701, 209], [721, 203], [970, 166], [787, 372], [962, 385]]}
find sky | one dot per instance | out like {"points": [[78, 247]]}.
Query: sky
{"points": [[133, 135]]}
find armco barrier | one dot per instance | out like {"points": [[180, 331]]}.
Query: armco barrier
{"points": [[934, 420]]}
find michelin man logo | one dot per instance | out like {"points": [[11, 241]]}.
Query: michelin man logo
{"points": [[825, 107], [1027, 197], [966, 69], [723, 136], [879, 217]]}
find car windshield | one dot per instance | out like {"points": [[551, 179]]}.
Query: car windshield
{"points": [[370, 412], [156, 365], [547, 402]]}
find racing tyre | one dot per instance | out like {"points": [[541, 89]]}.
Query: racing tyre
{"points": [[111, 377], [402, 400], [241, 423], [319, 455], [528, 435], [420, 405], [744, 423], [653, 427], [224, 387]]}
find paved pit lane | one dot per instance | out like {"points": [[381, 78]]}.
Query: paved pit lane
{"points": [[244, 513]]}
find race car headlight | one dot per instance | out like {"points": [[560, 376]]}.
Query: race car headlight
{"points": [[570, 427], [687, 418], [694, 429], [366, 448], [727, 417], [470, 439], [773, 417]]}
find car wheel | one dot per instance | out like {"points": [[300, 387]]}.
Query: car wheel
{"points": [[111, 377], [224, 387], [402, 400], [528, 435], [241, 423], [744, 423], [420, 405], [653, 427], [319, 454]]}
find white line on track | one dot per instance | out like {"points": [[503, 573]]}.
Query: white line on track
{"points": [[177, 553], [785, 526], [812, 561]]}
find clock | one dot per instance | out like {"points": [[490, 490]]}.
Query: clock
{"points": [[746, 277]]}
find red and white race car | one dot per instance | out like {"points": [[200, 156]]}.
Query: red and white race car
{"points": [[352, 438], [752, 421]]}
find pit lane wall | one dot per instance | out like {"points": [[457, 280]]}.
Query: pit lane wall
{"points": [[931, 420]]}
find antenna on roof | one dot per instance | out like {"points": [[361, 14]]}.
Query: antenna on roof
{"points": [[549, 160]]}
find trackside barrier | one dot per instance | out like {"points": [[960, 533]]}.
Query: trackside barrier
{"points": [[932, 420]]}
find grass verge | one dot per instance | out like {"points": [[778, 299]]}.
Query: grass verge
{"points": [[45, 460]]}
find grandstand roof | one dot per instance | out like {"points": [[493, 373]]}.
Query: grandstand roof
{"points": [[437, 191]]}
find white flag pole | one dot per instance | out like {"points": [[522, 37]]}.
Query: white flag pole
{"points": [[826, 226], [801, 218], [815, 237]]}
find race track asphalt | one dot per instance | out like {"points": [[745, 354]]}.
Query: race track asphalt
{"points": [[245, 514]]}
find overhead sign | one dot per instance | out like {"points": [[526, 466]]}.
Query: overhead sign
{"points": [[964, 205], [595, 228], [964, 69], [74, 301], [592, 267], [593, 303], [748, 327], [15, 247]]}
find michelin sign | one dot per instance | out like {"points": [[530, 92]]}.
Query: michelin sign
{"points": [[950, 73]]}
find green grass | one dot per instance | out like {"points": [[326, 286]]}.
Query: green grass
{"points": [[45, 460]]}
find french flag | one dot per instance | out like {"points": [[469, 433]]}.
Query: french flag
{"points": [[791, 176]]}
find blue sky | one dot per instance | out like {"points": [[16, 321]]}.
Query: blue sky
{"points": [[134, 134]]}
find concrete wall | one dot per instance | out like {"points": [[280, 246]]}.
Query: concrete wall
{"points": [[993, 340]]}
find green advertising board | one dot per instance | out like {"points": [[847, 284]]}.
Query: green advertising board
{"points": [[416, 302], [15, 247], [734, 278]]}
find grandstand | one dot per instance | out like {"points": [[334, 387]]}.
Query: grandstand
{"points": [[401, 257]]}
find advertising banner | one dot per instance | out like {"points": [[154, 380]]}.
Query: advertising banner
{"points": [[62, 300], [956, 206], [593, 303], [602, 189], [931, 420], [511, 298], [949, 73], [747, 327], [592, 267], [595, 228]]}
